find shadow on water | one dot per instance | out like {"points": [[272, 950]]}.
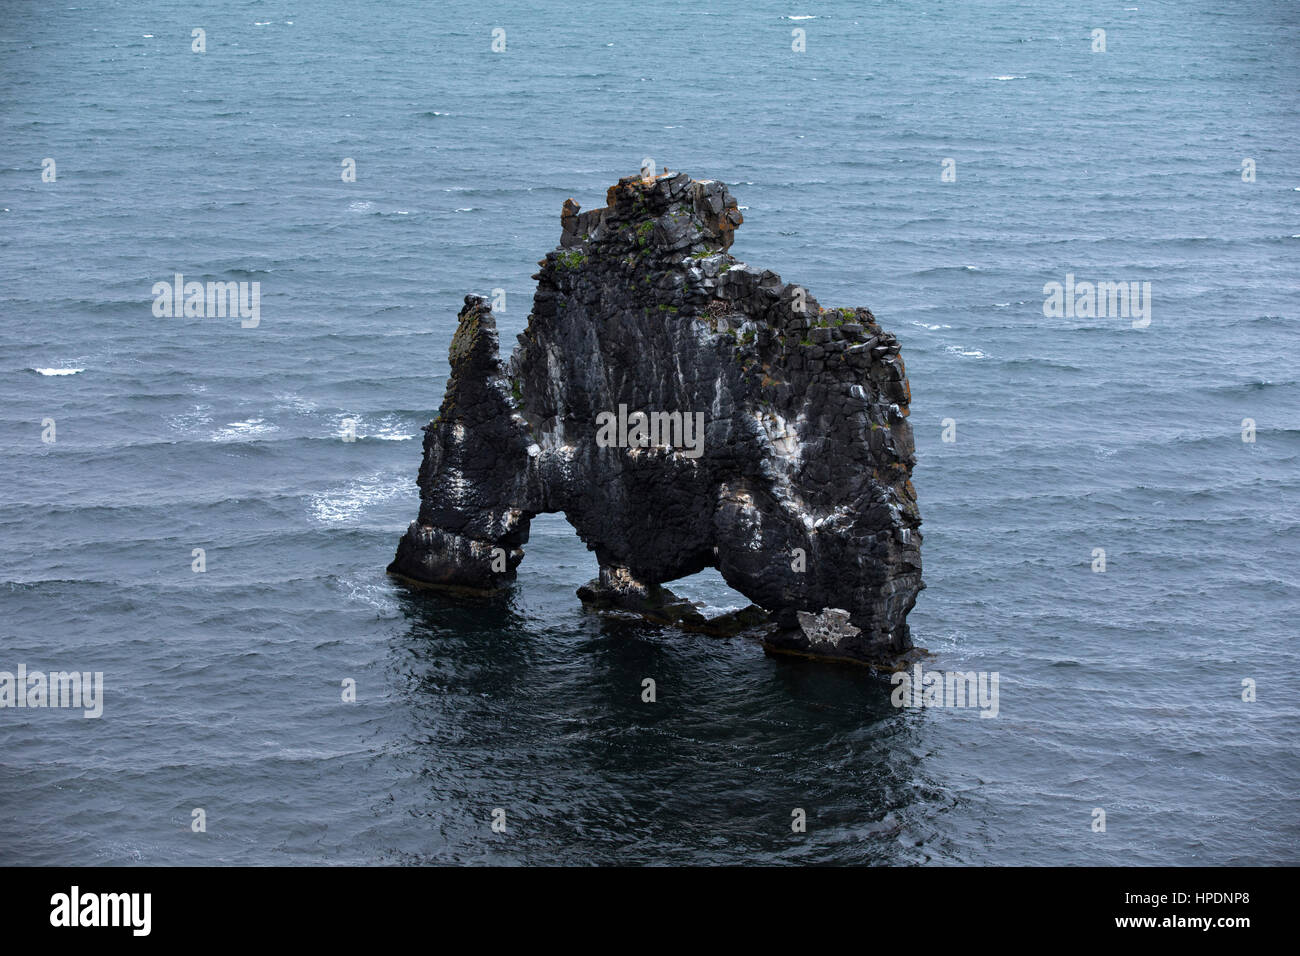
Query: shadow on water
{"points": [[480, 643], [544, 713]]}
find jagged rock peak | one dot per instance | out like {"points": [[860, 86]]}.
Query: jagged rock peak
{"points": [[689, 215], [684, 411]]}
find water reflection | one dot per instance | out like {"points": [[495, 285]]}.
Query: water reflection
{"points": [[540, 710]]}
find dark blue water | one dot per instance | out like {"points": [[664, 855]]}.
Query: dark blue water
{"points": [[1119, 690]]}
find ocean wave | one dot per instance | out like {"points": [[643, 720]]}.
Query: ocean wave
{"points": [[296, 403], [196, 418], [388, 428], [246, 430], [377, 594], [944, 270], [348, 503]]}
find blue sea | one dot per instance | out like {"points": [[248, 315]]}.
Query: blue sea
{"points": [[1120, 690]]}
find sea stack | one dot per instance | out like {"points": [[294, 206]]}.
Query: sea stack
{"points": [[684, 411]]}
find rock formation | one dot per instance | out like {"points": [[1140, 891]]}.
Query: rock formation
{"points": [[684, 411]]}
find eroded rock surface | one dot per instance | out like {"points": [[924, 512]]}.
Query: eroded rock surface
{"points": [[796, 487]]}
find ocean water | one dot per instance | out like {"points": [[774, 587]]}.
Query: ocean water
{"points": [[1119, 691]]}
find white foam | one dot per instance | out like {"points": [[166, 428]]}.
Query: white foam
{"points": [[58, 371], [288, 400], [347, 504], [389, 428], [243, 431], [198, 417]]}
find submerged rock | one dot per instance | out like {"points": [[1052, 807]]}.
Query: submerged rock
{"points": [[684, 411]]}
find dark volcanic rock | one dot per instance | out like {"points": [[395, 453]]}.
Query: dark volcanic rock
{"points": [[778, 452]]}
